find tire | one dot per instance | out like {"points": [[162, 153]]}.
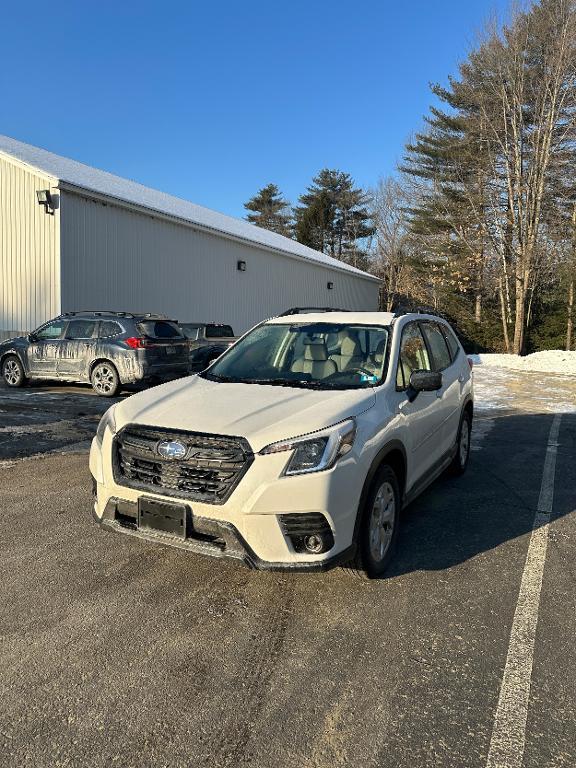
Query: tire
{"points": [[13, 371], [105, 380], [378, 532], [460, 460]]}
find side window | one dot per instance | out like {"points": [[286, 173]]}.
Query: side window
{"points": [[52, 330], [109, 328], [80, 329], [451, 340], [413, 355], [438, 347]]}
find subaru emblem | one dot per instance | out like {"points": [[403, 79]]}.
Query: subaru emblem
{"points": [[171, 449]]}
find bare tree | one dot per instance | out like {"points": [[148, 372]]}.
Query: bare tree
{"points": [[527, 104], [497, 163], [391, 243]]}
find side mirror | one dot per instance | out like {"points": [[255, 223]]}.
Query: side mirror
{"points": [[31, 338], [423, 381]]}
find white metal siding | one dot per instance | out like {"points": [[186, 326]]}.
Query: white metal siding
{"points": [[29, 252], [117, 258]]}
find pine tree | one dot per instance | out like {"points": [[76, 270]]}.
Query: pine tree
{"points": [[447, 215], [333, 217], [489, 163], [270, 210]]}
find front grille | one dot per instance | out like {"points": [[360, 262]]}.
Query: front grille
{"points": [[211, 468]]}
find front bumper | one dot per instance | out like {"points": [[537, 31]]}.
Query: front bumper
{"points": [[247, 526], [215, 538]]}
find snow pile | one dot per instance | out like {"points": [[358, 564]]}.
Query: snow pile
{"points": [[549, 361]]}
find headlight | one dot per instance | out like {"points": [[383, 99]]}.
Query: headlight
{"points": [[107, 420], [314, 453]]}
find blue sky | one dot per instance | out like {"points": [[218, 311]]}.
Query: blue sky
{"points": [[210, 101]]}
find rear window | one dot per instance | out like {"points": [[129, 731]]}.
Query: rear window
{"points": [[159, 329], [218, 331], [109, 328]]}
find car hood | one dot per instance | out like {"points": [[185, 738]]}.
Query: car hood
{"points": [[260, 413], [14, 341]]}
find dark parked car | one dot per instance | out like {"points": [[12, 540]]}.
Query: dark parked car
{"points": [[206, 342], [107, 349]]}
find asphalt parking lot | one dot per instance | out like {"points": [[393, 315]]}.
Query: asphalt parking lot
{"points": [[116, 652]]}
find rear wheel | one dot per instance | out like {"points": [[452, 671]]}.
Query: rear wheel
{"points": [[460, 460], [13, 371], [378, 532], [105, 380]]}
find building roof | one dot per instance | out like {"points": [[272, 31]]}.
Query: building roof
{"points": [[99, 182]]}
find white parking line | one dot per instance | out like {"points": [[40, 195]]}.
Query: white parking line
{"points": [[509, 731]]}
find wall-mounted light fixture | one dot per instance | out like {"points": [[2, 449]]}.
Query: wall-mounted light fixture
{"points": [[45, 199], [330, 286], [241, 266]]}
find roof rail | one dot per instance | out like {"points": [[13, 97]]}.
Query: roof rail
{"points": [[113, 313], [420, 310], [305, 310], [96, 312]]}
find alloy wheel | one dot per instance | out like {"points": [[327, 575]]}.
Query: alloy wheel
{"points": [[104, 379], [11, 372], [464, 446], [382, 518]]}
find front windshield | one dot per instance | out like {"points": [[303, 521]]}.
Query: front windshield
{"points": [[311, 355], [190, 331]]}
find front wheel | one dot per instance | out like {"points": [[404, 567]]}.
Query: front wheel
{"points": [[378, 532], [105, 380], [460, 460], [13, 371]]}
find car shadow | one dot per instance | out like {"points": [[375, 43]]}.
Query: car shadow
{"points": [[495, 501]]}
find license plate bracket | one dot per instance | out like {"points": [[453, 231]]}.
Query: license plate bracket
{"points": [[162, 517]]}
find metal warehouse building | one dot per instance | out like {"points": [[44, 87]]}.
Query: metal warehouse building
{"points": [[73, 237]]}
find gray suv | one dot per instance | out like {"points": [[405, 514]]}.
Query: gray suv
{"points": [[106, 349], [206, 342]]}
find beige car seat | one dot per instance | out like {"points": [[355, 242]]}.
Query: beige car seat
{"points": [[380, 352], [375, 360], [350, 355], [315, 361]]}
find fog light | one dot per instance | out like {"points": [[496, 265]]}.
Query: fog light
{"points": [[309, 532], [314, 544]]}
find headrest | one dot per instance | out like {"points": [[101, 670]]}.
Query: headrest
{"points": [[350, 347], [315, 350], [380, 349]]}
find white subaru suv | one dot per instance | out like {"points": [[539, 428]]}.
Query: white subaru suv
{"points": [[296, 449]]}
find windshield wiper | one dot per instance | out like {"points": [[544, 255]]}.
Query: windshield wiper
{"points": [[217, 377], [296, 383], [300, 383], [278, 382]]}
